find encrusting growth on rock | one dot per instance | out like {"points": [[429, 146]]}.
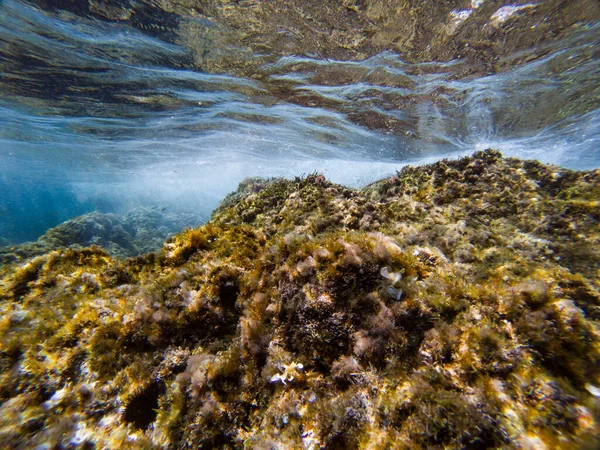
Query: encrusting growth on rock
{"points": [[455, 305]]}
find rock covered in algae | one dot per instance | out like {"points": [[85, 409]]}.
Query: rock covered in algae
{"points": [[138, 230], [455, 305]]}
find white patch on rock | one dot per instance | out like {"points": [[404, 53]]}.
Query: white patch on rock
{"points": [[593, 390], [506, 12]]}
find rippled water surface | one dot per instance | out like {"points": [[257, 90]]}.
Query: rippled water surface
{"points": [[109, 105]]}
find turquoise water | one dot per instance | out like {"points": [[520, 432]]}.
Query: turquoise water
{"points": [[106, 112]]}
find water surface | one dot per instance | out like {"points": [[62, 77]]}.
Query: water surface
{"points": [[106, 106]]}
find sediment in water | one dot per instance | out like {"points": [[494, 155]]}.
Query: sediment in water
{"points": [[455, 305]]}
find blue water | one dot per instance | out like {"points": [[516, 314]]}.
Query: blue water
{"points": [[105, 115]]}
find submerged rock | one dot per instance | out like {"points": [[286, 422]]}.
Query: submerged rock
{"points": [[455, 305], [139, 230]]}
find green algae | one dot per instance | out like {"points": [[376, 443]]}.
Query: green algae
{"points": [[449, 306]]}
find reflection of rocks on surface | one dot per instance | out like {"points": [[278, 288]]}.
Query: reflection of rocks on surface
{"points": [[293, 51], [455, 305], [236, 37], [140, 230]]}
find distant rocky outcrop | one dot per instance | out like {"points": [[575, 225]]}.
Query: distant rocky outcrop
{"points": [[455, 305], [137, 231]]}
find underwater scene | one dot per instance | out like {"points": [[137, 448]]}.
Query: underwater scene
{"points": [[299, 224]]}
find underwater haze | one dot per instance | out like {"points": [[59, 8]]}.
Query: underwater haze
{"points": [[299, 224], [112, 105]]}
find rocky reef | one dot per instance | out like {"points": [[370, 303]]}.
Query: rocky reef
{"points": [[137, 231], [455, 305]]}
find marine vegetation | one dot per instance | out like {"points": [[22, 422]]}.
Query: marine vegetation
{"points": [[455, 305]]}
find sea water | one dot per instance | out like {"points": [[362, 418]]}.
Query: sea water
{"points": [[452, 305], [110, 109]]}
